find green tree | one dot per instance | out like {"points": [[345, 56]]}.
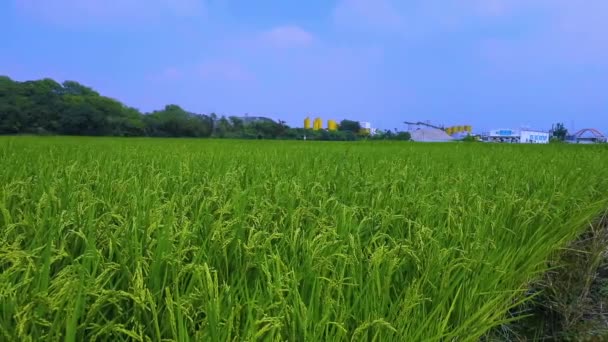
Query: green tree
{"points": [[10, 120], [223, 128], [403, 136], [266, 129], [350, 126], [80, 117], [560, 132], [173, 121], [237, 124], [46, 104], [128, 123], [75, 88]]}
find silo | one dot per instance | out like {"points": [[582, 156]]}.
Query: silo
{"points": [[449, 130], [307, 123], [332, 125], [468, 129], [318, 124], [458, 129]]}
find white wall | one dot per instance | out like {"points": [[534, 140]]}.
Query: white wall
{"points": [[505, 133], [534, 137]]}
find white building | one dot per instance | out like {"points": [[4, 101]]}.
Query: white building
{"points": [[534, 137], [368, 127], [524, 136]]}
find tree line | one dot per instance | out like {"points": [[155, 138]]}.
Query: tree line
{"points": [[70, 108]]}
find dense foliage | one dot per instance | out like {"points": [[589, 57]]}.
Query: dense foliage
{"points": [[350, 126], [48, 107], [559, 132], [209, 240]]}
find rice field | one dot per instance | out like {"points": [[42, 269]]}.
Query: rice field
{"points": [[105, 239]]}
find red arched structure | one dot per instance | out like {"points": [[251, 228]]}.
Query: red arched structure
{"points": [[596, 134]]}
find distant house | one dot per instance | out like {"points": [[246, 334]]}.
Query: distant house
{"points": [[587, 136], [430, 135], [524, 136], [367, 128]]}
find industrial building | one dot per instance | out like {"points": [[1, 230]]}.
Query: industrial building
{"points": [[523, 136], [366, 127], [426, 132], [332, 125], [587, 136], [430, 134]]}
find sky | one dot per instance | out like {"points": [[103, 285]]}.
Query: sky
{"points": [[486, 63]]}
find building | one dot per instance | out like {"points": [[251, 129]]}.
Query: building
{"points": [[459, 132], [534, 137], [587, 136], [318, 124], [429, 134], [332, 125], [524, 136], [367, 128]]}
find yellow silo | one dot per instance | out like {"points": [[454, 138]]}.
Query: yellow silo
{"points": [[318, 124], [458, 129], [468, 129], [449, 130], [307, 123], [332, 125]]}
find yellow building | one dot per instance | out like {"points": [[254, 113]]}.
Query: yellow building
{"points": [[332, 125], [318, 124], [307, 123]]}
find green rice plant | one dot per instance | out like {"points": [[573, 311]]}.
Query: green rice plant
{"points": [[105, 239]]}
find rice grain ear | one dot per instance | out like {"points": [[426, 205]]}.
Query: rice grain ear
{"points": [[193, 240]]}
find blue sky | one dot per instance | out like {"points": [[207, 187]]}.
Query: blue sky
{"points": [[488, 63]]}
